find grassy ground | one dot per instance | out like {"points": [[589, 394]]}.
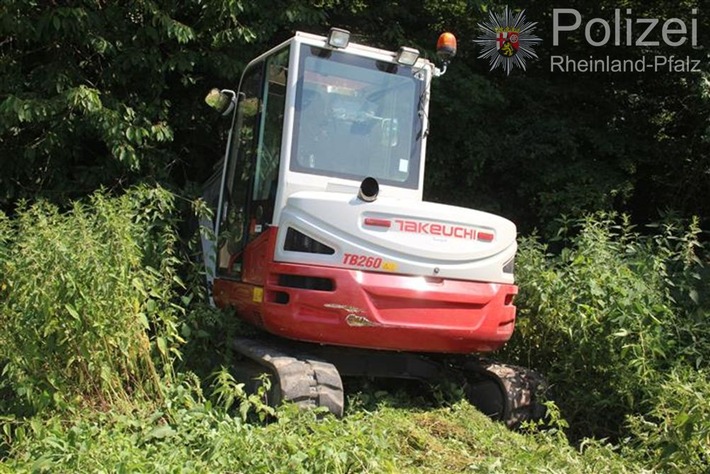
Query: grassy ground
{"points": [[198, 438]]}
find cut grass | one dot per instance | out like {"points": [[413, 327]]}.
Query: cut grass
{"points": [[197, 438]]}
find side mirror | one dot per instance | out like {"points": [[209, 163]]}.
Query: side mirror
{"points": [[223, 101]]}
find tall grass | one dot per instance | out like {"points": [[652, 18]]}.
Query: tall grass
{"points": [[91, 306], [619, 323], [87, 304]]}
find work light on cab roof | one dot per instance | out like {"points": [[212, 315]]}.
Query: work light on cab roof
{"points": [[338, 38]]}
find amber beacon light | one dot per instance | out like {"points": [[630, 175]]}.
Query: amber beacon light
{"points": [[446, 46]]}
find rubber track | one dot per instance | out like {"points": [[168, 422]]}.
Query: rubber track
{"points": [[298, 377], [522, 389]]}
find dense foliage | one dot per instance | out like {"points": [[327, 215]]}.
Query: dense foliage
{"points": [[97, 93], [618, 323], [385, 439], [87, 306], [106, 95], [91, 309], [539, 144]]}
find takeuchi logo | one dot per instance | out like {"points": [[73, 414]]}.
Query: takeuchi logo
{"points": [[507, 40]]}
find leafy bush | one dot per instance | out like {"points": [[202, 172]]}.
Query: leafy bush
{"points": [[616, 321], [87, 304], [208, 331], [675, 435]]}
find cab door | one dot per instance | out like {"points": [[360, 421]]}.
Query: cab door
{"points": [[252, 169]]}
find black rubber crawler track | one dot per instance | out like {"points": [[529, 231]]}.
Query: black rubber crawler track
{"points": [[519, 392], [297, 377], [504, 392]]}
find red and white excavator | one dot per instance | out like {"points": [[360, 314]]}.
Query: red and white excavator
{"points": [[322, 239]]}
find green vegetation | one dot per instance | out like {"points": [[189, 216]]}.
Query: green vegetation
{"points": [[384, 440], [109, 362], [87, 305], [618, 323], [91, 309], [107, 94]]}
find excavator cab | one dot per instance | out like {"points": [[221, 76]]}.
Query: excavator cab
{"points": [[321, 234], [312, 116]]}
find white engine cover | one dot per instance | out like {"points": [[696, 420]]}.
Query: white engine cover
{"points": [[399, 236]]}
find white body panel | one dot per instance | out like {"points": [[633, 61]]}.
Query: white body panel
{"points": [[424, 238]]}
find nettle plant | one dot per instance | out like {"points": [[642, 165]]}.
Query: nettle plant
{"points": [[87, 301], [609, 315]]}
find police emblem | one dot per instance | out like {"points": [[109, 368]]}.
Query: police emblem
{"points": [[507, 40]]}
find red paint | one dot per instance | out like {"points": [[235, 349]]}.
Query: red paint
{"points": [[258, 255], [405, 313], [374, 222], [363, 261], [485, 236]]}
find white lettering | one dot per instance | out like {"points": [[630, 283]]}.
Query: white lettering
{"points": [[667, 31], [629, 29], [641, 32], [588, 34], [556, 27], [652, 22], [659, 61], [556, 61], [694, 28]]}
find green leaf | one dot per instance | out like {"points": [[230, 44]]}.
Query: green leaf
{"points": [[161, 432], [162, 345], [72, 312]]}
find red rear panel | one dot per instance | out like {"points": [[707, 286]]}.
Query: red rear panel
{"points": [[367, 309]]}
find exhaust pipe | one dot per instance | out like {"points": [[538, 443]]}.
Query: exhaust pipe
{"points": [[369, 189]]}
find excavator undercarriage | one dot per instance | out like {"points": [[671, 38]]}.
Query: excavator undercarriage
{"points": [[309, 375]]}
